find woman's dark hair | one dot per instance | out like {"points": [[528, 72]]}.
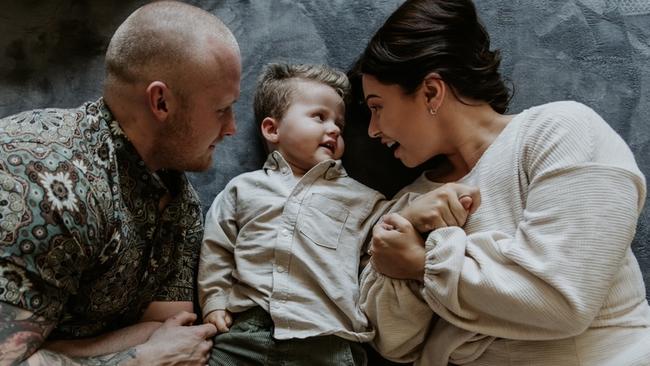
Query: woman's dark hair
{"points": [[441, 36]]}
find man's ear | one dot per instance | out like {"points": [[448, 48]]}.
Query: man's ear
{"points": [[158, 100], [269, 129], [434, 90]]}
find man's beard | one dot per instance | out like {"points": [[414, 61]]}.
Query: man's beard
{"points": [[173, 141]]}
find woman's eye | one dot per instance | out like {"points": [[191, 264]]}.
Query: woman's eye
{"points": [[319, 117], [374, 108]]}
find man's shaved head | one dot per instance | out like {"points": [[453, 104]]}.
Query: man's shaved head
{"points": [[160, 39]]}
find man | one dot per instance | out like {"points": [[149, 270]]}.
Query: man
{"points": [[99, 227]]}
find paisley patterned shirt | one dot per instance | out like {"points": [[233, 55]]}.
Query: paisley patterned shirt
{"points": [[82, 240]]}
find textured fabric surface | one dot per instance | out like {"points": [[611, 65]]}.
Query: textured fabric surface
{"points": [[593, 51]]}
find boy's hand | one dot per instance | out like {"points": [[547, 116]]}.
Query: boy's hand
{"points": [[449, 205], [222, 319]]}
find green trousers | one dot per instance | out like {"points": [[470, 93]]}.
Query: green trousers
{"points": [[250, 342]]}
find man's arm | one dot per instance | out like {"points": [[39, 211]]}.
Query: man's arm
{"points": [[45, 357], [22, 333], [175, 342], [108, 343], [159, 311], [122, 339]]}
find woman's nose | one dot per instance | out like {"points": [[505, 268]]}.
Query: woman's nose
{"points": [[373, 130]]}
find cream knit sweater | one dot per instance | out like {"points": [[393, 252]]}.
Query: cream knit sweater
{"points": [[542, 273]]}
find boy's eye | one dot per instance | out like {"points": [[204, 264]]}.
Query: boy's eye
{"points": [[319, 117]]}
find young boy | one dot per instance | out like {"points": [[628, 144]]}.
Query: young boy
{"points": [[282, 244]]}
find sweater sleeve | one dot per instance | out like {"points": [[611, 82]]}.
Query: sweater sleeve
{"points": [[581, 200], [217, 262], [399, 314]]}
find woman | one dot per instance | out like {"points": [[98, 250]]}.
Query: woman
{"points": [[542, 273]]}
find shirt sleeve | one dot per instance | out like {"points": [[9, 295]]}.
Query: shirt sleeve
{"points": [[549, 279], [377, 206], [396, 309], [217, 262], [180, 284], [48, 222]]}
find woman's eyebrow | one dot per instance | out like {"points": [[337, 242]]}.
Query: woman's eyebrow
{"points": [[371, 96]]}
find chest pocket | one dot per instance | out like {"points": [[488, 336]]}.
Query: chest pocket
{"points": [[323, 220]]}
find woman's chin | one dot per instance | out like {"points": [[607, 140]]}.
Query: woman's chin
{"points": [[408, 163]]}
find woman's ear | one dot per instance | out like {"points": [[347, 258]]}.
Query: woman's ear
{"points": [[434, 90], [270, 131], [158, 100]]}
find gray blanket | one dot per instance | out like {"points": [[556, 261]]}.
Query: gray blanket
{"points": [[593, 51]]}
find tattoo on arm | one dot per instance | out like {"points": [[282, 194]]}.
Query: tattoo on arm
{"points": [[22, 333], [45, 357]]}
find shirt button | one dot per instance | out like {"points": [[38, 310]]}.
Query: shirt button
{"points": [[285, 171], [280, 269], [285, 232]]}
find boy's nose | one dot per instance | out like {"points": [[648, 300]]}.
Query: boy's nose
{"points": [[333, 129]]}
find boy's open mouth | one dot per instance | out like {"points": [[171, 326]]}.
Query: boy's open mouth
{"points": [[331, 145]]}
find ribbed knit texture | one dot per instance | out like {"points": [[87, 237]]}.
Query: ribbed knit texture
{"points": [[542, 266]]}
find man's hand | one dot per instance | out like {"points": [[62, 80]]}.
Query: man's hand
{"points": [[448, 205], [222, 319], [178, 342]]}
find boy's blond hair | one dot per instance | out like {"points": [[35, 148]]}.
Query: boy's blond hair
{"points": [[275, 86]]}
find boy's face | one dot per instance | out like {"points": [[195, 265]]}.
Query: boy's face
{"points": [[310, 131]]}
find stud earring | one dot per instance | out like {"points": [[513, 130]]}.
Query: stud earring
{"points": [[432, 111]]}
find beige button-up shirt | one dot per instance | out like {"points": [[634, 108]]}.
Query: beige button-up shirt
{"points": [[292, 246]]}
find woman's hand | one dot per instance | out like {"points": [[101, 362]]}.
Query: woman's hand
{"points": [[397, 249], [448, 205]]}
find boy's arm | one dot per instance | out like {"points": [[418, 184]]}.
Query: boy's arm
{"points": [[378, 206], [216, 262]]}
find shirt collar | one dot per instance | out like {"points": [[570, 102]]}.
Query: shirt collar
{"points": [[330, 169], [161, 181]]}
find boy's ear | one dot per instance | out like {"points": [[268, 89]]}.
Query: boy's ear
{"points": [[269, 129], [434, 90]]}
